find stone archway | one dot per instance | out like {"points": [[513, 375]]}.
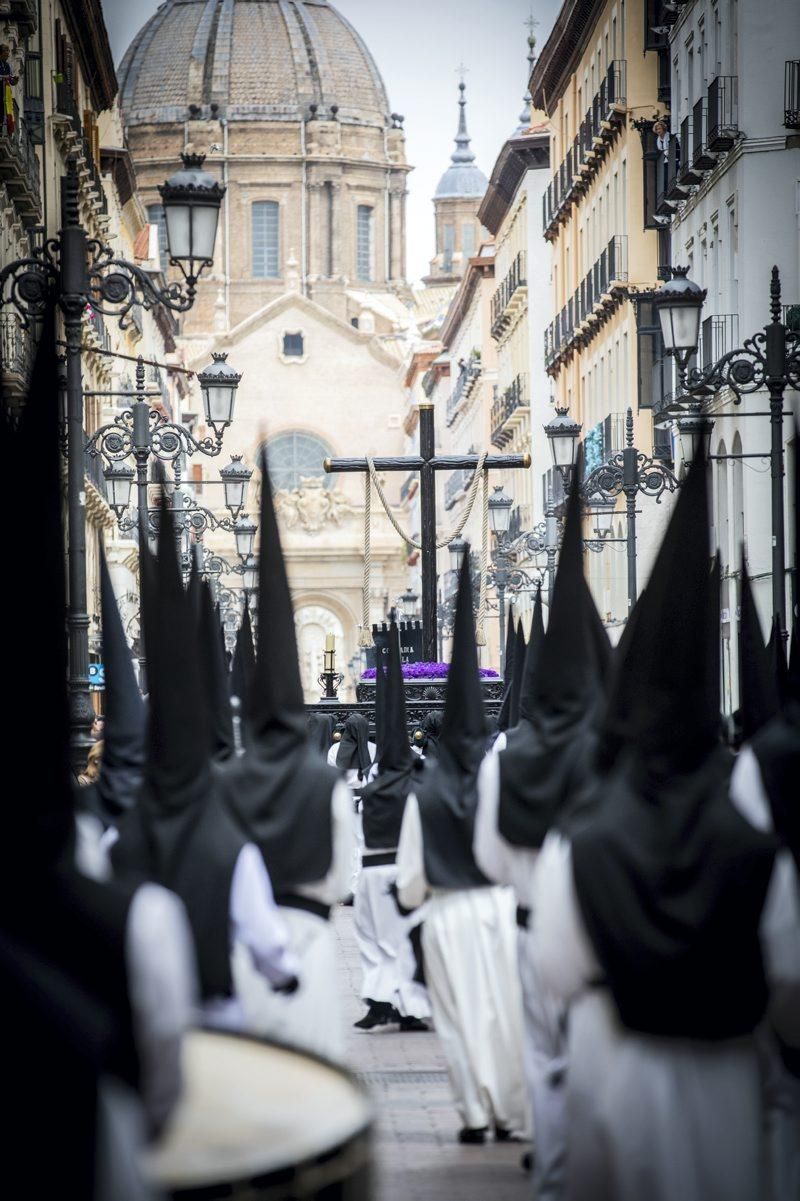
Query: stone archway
{"points": [[312, 623]]}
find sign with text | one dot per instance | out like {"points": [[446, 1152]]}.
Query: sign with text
{"points": [[410, 642]]}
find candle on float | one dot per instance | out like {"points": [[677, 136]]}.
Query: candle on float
{"points": [[330, 642]]}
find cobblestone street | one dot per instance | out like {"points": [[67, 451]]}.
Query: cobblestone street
{"points": [[417, 1155]]}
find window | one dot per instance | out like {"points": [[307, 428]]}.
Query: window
{"points": [[155, 215], [293, 345], [653, 361], [449, 246], [468, 239], [364, 243], [295, 456], [266, 231]]}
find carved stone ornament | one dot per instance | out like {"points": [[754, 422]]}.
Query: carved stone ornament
{"points": [[312, 505]]}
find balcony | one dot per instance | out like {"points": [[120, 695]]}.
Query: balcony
{"points": [[19, 168], [723, 112], [25, 15], [791, 94], [510, 297], [456, 485], [719, 335], [508, 410], [600, 291], [16, 356], [65, 114], [595, 134], [464, 387]]}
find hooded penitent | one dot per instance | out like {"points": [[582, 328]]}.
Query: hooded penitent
{"points": [[430, 731], [214, 676], [384, 800], [777, 745], [758, 693], [547, 765], [122, 766], [504, 716], [320, 732], [179, 834], [520, 647], [280, 790], [70, 927], [669, 878], [447, 787], [243, 664], [353, 753]]}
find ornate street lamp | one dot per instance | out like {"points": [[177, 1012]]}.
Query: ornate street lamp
{"points": [[244, 532], [218, 384], [679, 304], [250, 575], [694, 432], [408, 604], [563, 434], [500, 511], [602, 510], [119, 481], [457, 549], [235, 478], [191, 199]]}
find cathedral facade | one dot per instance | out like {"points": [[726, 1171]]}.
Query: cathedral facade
{"points": [[307, 295]]}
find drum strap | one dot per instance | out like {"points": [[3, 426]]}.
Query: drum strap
{"points": [[379, 859], [293, 900]]}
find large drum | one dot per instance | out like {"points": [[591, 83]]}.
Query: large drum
{"points": [[262, 1122]]}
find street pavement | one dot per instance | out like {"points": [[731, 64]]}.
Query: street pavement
{"points": [[416, 1149]]}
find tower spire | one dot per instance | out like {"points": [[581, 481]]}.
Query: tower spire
{"points": [[463, 151], [527, 101]]}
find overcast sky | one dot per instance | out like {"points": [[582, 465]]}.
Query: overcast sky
{"points": [[418, 46]]}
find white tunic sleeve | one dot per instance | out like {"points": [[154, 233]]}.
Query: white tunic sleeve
{"points": [[562, 951], [336, 885], [491, 851], [256, 921], [163, 992], [412, 885]]}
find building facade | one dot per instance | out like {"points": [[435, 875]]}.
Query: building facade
{"points": [[599, 78], [730, 199]]}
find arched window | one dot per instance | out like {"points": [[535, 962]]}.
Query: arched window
{"points": [[266, 239], [294, 456]]}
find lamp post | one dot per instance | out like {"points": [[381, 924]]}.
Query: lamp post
{"points": [[770, 359], [629, 472], [77, 271]]}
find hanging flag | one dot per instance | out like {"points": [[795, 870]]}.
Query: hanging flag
{"points": [[8, 108]]}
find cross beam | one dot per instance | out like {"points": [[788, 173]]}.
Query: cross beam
{"points": [[427, 463]]}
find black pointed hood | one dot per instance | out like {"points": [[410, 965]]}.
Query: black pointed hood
{"points": [[380, 701], [122, 768], [504, 716], [279, 790], [758, 694], [546, 769], [776, 655], [383, 800], [520, 647], [243, 665], [353, 753], [214, 675], [447, 787], [320, 732], [527, 701], [669, 878]]}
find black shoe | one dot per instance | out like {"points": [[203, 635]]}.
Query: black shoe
{"points": [[348, 900], [472, 1134], [503, 1135], [526, 1161], [410, 1024], [378, 1014]]}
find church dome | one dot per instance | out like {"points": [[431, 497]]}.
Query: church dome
{"points": [[250, 60], [462, 179]]}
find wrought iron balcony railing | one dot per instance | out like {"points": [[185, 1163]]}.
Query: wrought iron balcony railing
{"points": [[464, 386], [513, 399], [598, 289], [456, 485], [791, 94], [506, 299], [16, 355], [19, 169], [723, 112]]}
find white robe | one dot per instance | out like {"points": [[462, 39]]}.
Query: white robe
{"points": [[382, 933], [356, 782], [544, 1016], [469, 942], [780, 935], [310, 1018], [649, 1119]]}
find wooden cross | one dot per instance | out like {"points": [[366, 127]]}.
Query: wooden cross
{"points": [[427, 463]]}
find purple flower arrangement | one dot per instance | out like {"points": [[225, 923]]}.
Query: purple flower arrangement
{"points": [[429, 671]]}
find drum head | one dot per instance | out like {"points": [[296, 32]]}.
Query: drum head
{"points": [[253, 1109]]}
